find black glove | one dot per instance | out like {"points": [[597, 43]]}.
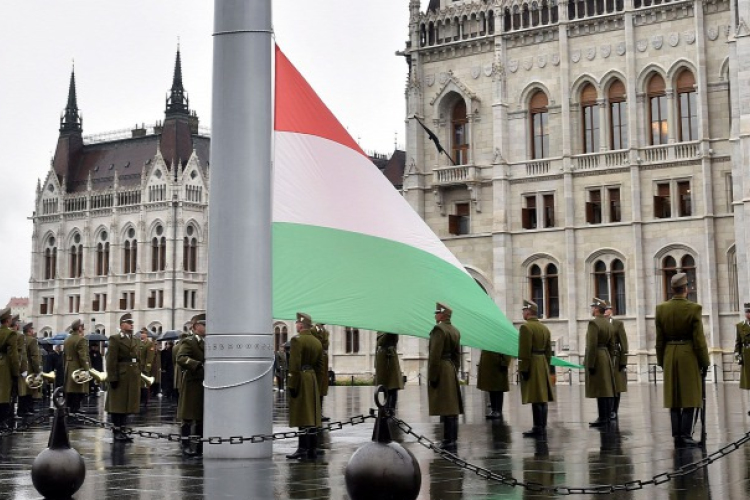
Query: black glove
{"points": [[433, 384], [293, 393], [592, 371], [623, 368], [114, 383], [526, 375], [704, 371]]}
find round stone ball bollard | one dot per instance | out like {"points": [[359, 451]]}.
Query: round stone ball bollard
{"points": [[382, 469], [58, 471]]}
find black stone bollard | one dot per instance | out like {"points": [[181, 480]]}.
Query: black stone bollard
{"points": [[58, 471], [382, 469]]}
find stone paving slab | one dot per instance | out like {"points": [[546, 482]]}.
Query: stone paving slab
{"points": [[639, 447]]}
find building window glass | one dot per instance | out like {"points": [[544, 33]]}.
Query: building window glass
{"points": [[528, 213], [553, 293], [536, 285], [657, 101], [190, 254], [130, 253], [618, 116], [280, 337], [460, 139], [668, 269], [618, 287], [50, 259], [549, 210], [539, 125], [594, 207], [734, 284], [352, 340], [601, 281], [685, 201], [459, 223], [544, 290], [158, 253], [662, 201], [590, 111], [76, 257], [688, 106], [688, 267]]}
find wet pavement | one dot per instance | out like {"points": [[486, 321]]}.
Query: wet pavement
{"points": [[574, 455]]}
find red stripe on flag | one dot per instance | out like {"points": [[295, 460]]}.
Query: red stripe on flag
{"points": [[299, 109]]}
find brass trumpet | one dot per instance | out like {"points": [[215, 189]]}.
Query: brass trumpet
{"points": [[147, 380], [81, 376], [35, 381]]}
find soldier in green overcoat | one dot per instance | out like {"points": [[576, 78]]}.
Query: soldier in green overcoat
{"points": [[444, 391], [319, 332], [124, 377], [178, 372], [619, 358], [76, 355], [600, 377], [305, 362], [681, 351], [190, 407], [492, 377], [34, 367], [146, 356], [742, 349], [9, 368], [534, 356], [19, 388], [388, 368]]}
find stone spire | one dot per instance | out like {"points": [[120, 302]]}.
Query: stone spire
{"points": [[71, 120], [177, 102]]}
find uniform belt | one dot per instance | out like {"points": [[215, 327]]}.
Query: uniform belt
{"points": [[306, 368], [538, 352], [133, 360], [679, 342]]}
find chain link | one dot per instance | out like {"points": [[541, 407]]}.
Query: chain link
{"points": [[568, 490], [27, 423]]}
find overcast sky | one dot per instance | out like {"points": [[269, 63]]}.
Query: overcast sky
{"points": [[124, 57]]}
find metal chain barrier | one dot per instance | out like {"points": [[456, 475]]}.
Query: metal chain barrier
{"points": [[27, 423], [257, 438], [605, 489]]}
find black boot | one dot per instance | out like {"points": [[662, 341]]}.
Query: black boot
{"points": [[495, 407], [686, 427], [312, 446], [185, 444], [323, 418], [602, 409], [199, 433], [301, 448], [674, 416], [615, 406], [454, 431], [392, 400], [543, 419], [536, 415]]}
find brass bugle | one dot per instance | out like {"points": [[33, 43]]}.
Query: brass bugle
{"points": [[149, 381], [98, 376], [35, 381], [81, 376]]}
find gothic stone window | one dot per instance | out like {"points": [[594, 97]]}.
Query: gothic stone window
{"points": [[679, 262], [76, 257], [50, 259], [687, 103], [618, 116], [129, 252], [609, 283], [543, 282], [539, 125], [102, 254], [590, 114], [190, 250], [459, 133], [280, 336], [352, 340], [158, 249], [657, 110]]}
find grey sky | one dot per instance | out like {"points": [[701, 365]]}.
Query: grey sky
{"points": [[124, 56]]}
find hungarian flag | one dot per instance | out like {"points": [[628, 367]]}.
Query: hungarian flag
{"points": [[347, 247]]}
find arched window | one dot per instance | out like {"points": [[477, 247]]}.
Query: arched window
{"points": [[102, 254], [280, 337], [618, 116], [516, 17], [554, 11], [657, 109], [352, 340], [506, 20], [491, 23], [539, 125], [618, 287], [431, 34], [129, 252], [545, 12], [460, 139], [601, 286], [609, 283], [687, 103], [668, 269], [590, 113], [552, 291], [688, 267], [544, 290], [159, 250], [525, 16], [50, 259], [534, 14], [734, 284], [190, 250], [76, 257]]}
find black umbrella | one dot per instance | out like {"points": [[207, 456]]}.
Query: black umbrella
{"points": [[169, 335], [95, 337]]}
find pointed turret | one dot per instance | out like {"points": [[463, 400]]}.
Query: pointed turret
{"points": [[71, 120], [177, 102], [179, 123]]}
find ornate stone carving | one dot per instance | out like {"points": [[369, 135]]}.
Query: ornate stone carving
{"points": [[430, 80], [673, 39], [657, 41], [443, 78], [642, 45], [591, 53], [605, 50], [555, 59], [575, 56], [476, 71], [513, 65], [528, 63], [712, 33], [541, 61], [489, 69], [689, 37]]}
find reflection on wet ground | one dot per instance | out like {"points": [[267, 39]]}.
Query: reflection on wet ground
{"points": [[639, 447]]}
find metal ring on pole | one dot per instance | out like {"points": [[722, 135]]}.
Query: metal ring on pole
{"points": [[232, 32], [230, 386]]}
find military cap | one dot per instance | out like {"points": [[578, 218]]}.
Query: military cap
{"points": [[304, 318], [199, 318], [443, 309], [14, 319], [531, 306], [27, 326], [5, 314], [747, 307], [126, 318], [679, 279], [75, 325], [596, 302], [608, 304]]}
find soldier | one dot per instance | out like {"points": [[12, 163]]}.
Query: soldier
{"points": [[34, 365], [9, 368], [742, 349], [97, 363], [600, 347], [534, 355], [492, 377], [280, 369], [190, 408], [76, 352], [19, 388], [444, 392], [178, 371], [619, 359], [305, 362], [681, 351], [146, 355], [387, 368], [319, 332], [124, 377]]}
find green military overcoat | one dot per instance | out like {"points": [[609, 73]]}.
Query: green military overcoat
{"points": [[742, 347], [681, 351], [191, 359], [147, 353], [305, 362], [76, 355], [600, 346], [534, 355], [23, 363], [35, 361], [387, 366], [492, 375], [620, 357], [322, 335], [443, 391], [123, 367], [9, 363], [177, 383]]}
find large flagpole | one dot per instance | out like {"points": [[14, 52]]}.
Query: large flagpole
{"points": [[239, 344]]}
